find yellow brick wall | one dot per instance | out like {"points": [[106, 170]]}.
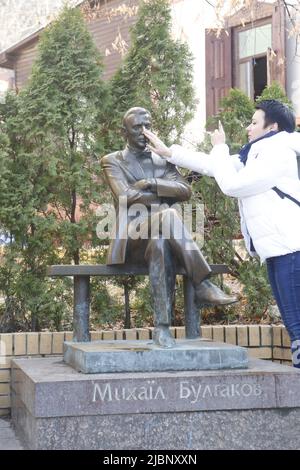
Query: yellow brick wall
{"points": [[263, 342]]}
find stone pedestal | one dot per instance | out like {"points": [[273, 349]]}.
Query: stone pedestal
{"points": [[56, 407], [144, 356]]}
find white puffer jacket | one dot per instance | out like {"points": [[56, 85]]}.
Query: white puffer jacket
{"points": [[272, 223]]}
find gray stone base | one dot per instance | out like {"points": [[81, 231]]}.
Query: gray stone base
{"points": [[55, 407], [144, 356]]}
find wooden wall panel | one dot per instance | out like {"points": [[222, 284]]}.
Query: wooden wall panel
{"points": [[23, 63], [109, 31]]}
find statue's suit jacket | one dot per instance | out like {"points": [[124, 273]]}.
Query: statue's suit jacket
{"points": [[122, 169]]}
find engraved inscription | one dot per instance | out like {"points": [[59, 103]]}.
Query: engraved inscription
{"points": [[189, 391], [108, 392], [196, 393]]}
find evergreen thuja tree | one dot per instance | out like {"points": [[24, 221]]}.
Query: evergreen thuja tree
{"points": [[50, 180], [156, 74], [221, 212], [274, 92], [62, 111]]}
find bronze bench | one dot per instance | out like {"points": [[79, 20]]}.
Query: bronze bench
{"points": [[81, 308]]}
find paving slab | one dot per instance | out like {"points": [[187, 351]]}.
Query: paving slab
{"points": [[8, 438]]}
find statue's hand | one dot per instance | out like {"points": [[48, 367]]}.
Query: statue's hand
{"points": [[143, 184], [157, 145]]}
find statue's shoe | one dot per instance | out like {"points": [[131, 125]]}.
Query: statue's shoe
{"points": [[162, 337], [208, 293]]}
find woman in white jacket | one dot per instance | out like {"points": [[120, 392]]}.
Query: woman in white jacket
{"points": [[264, 177]]}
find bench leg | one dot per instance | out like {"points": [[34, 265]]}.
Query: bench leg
{"points": [[81, 314], [192, 316]]}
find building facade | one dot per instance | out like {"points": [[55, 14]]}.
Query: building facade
{"points": [[254, 49]]}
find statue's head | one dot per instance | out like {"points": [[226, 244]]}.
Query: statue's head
{"points": [[133, 122]]}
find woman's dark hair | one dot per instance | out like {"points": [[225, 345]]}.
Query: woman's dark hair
{"points": [[275, 111]]}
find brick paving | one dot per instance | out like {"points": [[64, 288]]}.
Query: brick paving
{"points": [[8, 438]]}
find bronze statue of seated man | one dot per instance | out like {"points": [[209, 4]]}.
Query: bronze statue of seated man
{"points": [[149, 185]]}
